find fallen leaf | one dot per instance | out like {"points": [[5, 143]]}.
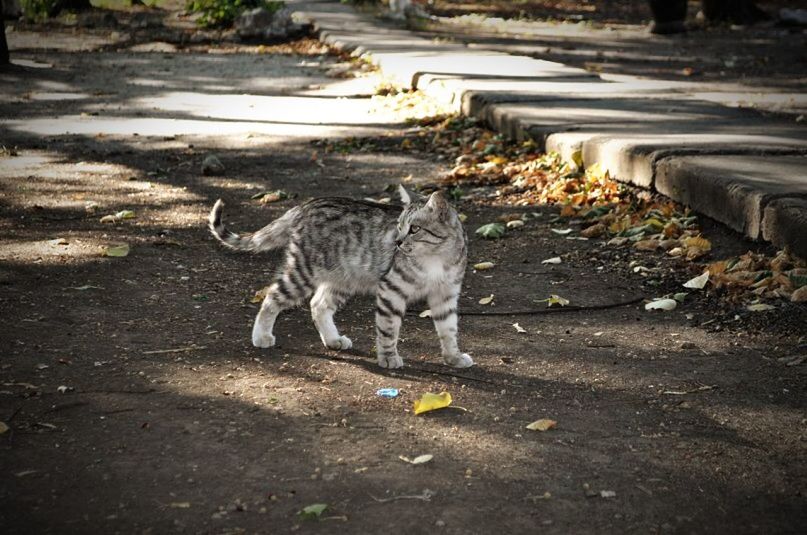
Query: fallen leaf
{"points": [[482, 266], [607, 494], [63, 389], [486, 300], [519, 328], [273, 196], [125, 214], [647, 245], [799, 295], [760, 307], [561, 232], [84, 287], [516, 223], [3, 427], [696, 246], [429, 402], [556, 300], [491, 231], [662, 304], [680, 296], [420, 459], [117, 250], [313, 511], [544, 424], [577, 159], [58, 241], [180, 505], [698, 282], [594, 231], [553, 260]]}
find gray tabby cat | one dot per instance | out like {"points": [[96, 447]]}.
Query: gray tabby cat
{"points": [[336, 248]]}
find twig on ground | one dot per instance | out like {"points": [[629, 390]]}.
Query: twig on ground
{"points": [[449, 374], [538, 311], [65, 406], [426, 496], [552, 310], [149, 391], [685, 392], [177, 350]]}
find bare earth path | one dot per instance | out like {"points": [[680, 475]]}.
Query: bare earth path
{"points": [[135, 402]]}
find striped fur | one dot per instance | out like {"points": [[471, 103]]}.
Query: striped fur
{"points": [[336, 248]]}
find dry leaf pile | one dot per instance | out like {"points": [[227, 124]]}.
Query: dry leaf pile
{"points": [[782, 276]]}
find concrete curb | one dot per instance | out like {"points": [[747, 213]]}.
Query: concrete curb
{"points": [[735, 166]]}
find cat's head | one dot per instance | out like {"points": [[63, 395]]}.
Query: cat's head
{"points": [[428, 225]]}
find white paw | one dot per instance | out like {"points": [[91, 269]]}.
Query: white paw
{"points": [[261, 339], [462, 360], [343, 342], [390, 362]]}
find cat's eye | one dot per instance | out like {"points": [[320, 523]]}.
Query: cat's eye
{"points": [[414, 229]]}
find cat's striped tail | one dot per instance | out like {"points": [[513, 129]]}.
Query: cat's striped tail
{"points": [[273, 236]]}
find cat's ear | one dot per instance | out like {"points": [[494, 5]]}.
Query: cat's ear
{"points": [[438, 204], [407, 195]]}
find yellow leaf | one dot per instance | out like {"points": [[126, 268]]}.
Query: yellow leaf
{"points": [[544, 424], [577, 159], [657, 225], [498, 160], [556, 300], [486, 300], [117, 250], [429, 402], [698, 242], [482, 266]]}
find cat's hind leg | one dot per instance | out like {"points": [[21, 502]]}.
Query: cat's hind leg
{"points": [[324, 304], [285, 293]]}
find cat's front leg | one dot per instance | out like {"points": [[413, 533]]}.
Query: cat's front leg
{"points": [[390, 309], [443, 306]]}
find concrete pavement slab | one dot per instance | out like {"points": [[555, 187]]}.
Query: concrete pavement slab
{"points": [[737, 190], [785, 224]]}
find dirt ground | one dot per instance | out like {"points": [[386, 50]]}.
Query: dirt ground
{"points": [[135, 402]]}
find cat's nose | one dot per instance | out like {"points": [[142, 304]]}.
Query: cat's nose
{"points": [[398, 242]]}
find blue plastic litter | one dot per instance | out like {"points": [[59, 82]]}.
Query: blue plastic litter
{"points": [[387, 392]]}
